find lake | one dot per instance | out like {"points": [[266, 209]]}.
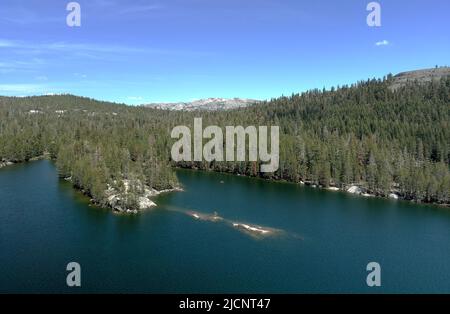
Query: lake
{"points": [[322, 240]]}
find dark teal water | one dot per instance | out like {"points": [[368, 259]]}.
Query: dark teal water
{"points": [[328, 239]]}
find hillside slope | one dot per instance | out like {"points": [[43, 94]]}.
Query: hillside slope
{"points": [[421, 76], [382, 140]]}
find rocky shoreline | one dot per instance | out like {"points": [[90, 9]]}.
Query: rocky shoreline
{"points": [[118, 200], [114, 199], [5, 163], [359, 190], [144, 199], [354, 188]]}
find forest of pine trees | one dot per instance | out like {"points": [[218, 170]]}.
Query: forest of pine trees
{"points": [[367, 134]]}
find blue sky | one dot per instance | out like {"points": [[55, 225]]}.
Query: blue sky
{"points": [[179, 50]]}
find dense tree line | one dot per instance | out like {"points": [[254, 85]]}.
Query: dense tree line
{"points": [[367, 134], [97, 145]]}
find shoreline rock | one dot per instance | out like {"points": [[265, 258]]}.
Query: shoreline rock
{"points": [[354, 189], [117, 200], [6, 163], [114, 199], [394, 196]]}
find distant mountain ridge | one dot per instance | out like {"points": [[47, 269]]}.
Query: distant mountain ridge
{"points": [[210, 104], [421, 76], [219, 104]]}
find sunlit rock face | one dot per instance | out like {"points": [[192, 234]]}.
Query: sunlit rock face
{"points": [[210, 104]]}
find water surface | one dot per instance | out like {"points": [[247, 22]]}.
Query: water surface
{"points": [[328, 239]]}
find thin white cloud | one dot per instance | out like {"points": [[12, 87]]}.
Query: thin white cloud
{"points": [[6, 43], [63, 46], [139, 9], [91, 50], [103, 3], [21, 88], [109, 9], [21, 15], [113, 9], [382, 43], [80, 75], [41, 78], [32, 20], [136, 98], [28, 89], [23, 66]]}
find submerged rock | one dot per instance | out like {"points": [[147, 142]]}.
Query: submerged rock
{"points": [[252, 229], [205, 217]]}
